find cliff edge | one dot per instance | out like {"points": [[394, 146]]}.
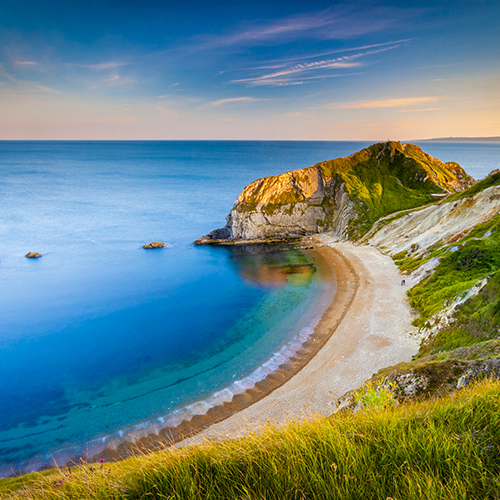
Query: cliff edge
{"points": [[344, 196]]}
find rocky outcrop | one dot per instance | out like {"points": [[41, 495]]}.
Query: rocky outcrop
{"points": [[155, 244], [342, 197], [33, 255], [445, 223]]}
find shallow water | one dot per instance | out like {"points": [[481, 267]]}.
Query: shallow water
{"points": [[100, 337]]}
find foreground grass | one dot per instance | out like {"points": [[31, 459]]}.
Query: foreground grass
{"points": [[446, 449]]}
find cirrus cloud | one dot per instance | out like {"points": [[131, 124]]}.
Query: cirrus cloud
{"points": [[390, 103]]}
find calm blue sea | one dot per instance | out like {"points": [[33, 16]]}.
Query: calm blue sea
{"points": [[99, 338]]}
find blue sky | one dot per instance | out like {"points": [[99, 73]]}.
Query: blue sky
{"points": [[249, 70]]}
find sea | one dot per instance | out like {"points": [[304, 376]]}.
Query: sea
{"points": [[102, 341]]}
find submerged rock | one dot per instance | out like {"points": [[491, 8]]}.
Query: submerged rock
{"points": [[33, 255], [155, 244]]}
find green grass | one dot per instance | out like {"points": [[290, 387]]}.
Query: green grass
{"points": [[492, 180], [477, 256], [381, 179], [386, 179], [443, 449]]}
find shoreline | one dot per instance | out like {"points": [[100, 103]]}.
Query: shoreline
{"points": [[337, 268], [373, 331]]}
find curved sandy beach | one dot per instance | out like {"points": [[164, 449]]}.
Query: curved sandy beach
{"points": [[366, 327], [372, 330]]}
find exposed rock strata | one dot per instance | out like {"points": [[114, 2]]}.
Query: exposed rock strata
{"points": [[342, 197], [439, 223]]}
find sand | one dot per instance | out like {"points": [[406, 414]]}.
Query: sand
{"points": [[366, 327], [370, 329]]}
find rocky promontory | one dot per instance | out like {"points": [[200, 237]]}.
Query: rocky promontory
{"points": [[343, 197]]}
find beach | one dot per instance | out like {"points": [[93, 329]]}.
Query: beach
{"points": [[370, 329], [366, 327]]}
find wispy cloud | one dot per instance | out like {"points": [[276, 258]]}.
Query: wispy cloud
{"points": [[232, 100], [24, 86], [115, 80], [295, 72], [389, 103], [25, 63], [417, 110], [331, 24], [100, 66]]}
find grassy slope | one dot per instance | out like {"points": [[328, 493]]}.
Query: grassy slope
{"points": [[491, 180], [442, 449], [389, 177], [381, 179], [475, 256]]}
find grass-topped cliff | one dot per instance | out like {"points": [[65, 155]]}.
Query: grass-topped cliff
{"points": [[345, 195]]}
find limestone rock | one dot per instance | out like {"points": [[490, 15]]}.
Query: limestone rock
{"points": [[342, 197], [33, 255], [444, 223]]}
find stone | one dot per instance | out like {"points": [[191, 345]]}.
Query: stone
{"points": [[33, 255], [155, 244]]}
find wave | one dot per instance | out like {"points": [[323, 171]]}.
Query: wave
{"points": [[174, 418]]}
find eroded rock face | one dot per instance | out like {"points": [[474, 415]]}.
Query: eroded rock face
{"points": [[439, 223], [342, 197], [315, 204], [33, 255]]}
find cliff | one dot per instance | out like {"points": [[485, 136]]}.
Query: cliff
{"points": [[450, 254], [342, 196]]}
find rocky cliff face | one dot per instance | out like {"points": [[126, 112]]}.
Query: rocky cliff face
{"points": [[343, 196], [443, 223]]}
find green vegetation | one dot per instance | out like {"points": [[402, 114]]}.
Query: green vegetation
{"points": [[381, 179], [475, 255], [387, 178], [444, 449], [491, 180], [373, 397]]}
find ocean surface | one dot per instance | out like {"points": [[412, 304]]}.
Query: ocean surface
{"points": [[101, 340]]}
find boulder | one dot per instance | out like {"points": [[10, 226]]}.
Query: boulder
{"points": [[33, 255], [155, 244]]}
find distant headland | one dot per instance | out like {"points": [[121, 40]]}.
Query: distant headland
{"points": [[462, 139]]}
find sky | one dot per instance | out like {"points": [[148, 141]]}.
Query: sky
{"points": [[272, 70]]}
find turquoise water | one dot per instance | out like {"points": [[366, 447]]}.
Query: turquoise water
{"points": [[101, 339]]}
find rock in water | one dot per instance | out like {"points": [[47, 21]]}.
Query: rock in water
{"points": [[155, 244], [33, 255], [343, 197]]}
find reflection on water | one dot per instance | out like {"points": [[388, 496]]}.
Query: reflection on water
{"points": [[272, 266]]}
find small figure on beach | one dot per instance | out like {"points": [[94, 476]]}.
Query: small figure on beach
{"points": [[403, 282]]}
